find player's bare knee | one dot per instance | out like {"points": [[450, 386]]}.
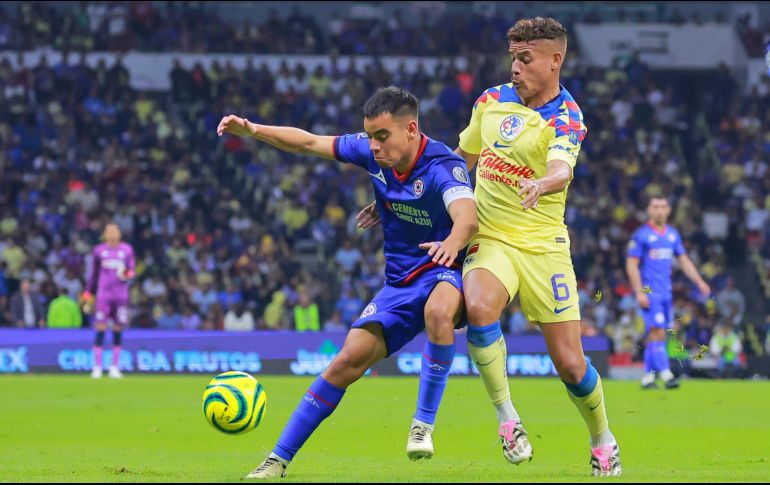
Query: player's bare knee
{"points": [[439, 320], [570, 368], [481, 311]]}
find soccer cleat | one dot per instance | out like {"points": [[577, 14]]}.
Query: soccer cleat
{"points": [[516, 446], [115, 373], [672, 383], [96, 373], [270, 468], [420, 442], [605, 461], [649, 385]]}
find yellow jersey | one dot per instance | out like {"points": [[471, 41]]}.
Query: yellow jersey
{"points": [[515, 142]]}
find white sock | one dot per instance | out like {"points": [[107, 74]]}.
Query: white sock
{"points": [[506, 412], [273, 455], [648, 378], [417, 422], [605, 438], [666, 375]]}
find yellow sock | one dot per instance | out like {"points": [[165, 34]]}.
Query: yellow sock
{"points": [[594, 413], [492, 363]]}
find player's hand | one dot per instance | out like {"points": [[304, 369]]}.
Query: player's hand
{"points": [[87, 301], [125, 275], [368, 217], [235, 125], [643, 301], [444, 253], [530, 192], [704, 288]]}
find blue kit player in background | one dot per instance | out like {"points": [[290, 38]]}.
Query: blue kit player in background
{"points": [[428, 214], [649, 263]]}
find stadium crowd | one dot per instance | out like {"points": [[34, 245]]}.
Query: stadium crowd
{"points": [[234, 235]]}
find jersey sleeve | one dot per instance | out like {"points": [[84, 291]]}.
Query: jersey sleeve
{"points": [[470, 138], [678, 246], [635, 245], [353, 148], [569, 132], [452, 180]]}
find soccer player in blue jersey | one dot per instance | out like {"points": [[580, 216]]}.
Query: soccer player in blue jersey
{"points": [[649, 262], [428, 213]]}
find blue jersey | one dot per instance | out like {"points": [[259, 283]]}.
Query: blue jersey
{"points": [[656, 251], [412, 206]]}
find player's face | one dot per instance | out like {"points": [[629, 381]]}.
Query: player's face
{"points": [[390, 138], [658, 210], [532, 65], [112, 234]]}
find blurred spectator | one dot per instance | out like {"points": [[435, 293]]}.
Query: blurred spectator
{"points": [[275, 311], [335, 324], [26, 308], [731, 303], [190, 320], [306, 317], [64, 312], [726, 346], [238, 319], [170, 318], [349, 306]]}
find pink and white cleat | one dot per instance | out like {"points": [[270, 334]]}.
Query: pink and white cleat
{"points": [[605, 461], [516, 446]]}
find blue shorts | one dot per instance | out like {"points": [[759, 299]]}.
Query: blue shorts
{"points": [[660, 314], [401, 309]]}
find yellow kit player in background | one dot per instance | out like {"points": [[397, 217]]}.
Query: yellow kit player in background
{"points": [[524, 138]]}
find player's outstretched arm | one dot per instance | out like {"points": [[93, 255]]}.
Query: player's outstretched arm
{"points": [[558, 175], [284, 138], [465, 223], [635, 278], [689, 269]]}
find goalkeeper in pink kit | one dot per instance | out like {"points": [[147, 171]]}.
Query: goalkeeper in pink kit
{"points": [[113, 267]]}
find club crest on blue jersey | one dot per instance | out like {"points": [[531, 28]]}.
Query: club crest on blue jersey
{"points": [[370, 309], [511, 127], [418, 187]]}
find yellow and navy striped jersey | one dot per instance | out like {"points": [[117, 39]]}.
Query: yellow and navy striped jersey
{"points": [[515, 142]]}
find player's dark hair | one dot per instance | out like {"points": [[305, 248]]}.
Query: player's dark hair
{"points": [[526, 30], [393, 100], [658, 197]]}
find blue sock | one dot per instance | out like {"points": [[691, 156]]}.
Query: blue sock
{"points": [[484, 336], [436, 362], [649, 358], [586, 385], [660, 355], [319, 402]]}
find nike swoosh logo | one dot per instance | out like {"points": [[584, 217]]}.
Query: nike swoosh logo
{"points": [[600, 401], [379, 176], [559, 310], [498, 145], [479, 364]]}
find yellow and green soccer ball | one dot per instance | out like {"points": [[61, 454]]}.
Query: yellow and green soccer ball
{"points": [[234, 402]]}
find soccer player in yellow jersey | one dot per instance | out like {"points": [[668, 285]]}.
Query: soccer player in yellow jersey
{"points": [[524, 138]]}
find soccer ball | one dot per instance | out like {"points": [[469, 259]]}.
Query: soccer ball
{"points": [[234, 402]]}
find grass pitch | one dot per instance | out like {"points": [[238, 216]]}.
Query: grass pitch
{"points": [[151, 429]]}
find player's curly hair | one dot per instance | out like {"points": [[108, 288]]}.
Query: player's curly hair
{"points": [[526, 30]]}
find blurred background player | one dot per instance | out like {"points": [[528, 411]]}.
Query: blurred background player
{"points": [[426, 203], [107, 295], [649, 262]]}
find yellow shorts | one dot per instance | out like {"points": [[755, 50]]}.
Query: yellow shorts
{"points": [[546, 281]]}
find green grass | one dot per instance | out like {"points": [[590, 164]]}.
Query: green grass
{"points": [[151, 428]]}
